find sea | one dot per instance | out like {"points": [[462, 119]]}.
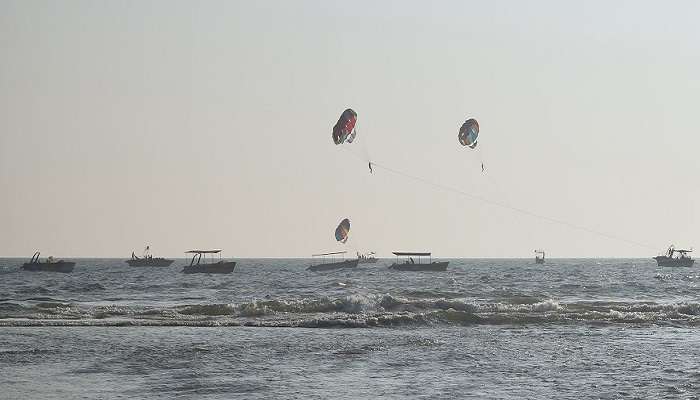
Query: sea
{"points": [[484, 329]]}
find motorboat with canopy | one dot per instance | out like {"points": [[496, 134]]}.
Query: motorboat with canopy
{"points": [[329, 261], [199, 264], [410, 264], [675, 258]]}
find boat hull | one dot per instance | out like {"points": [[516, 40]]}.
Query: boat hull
{"points": [[334, 265], [149, 262], [60, 266], [663, 261], [222, 267], [539, 260], [367, 261], [435, 266]]}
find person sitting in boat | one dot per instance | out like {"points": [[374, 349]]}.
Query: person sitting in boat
{"points": [[411, 258], [50, 259]]}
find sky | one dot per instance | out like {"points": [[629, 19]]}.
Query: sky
{"points": [[208, 125]]}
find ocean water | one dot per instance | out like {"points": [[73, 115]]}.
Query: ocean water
{"points": [[486, 328]]}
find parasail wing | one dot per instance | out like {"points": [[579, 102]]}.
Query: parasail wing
{"points": [[342, 231], [344, 129], [469, 133]]}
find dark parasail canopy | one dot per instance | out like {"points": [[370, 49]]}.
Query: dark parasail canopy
{"points": [[342, 231], [344, 129], [469, 133]]}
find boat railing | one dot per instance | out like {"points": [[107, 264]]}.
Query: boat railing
{"points": [[333, 257], [409, 257], [198, 256]]}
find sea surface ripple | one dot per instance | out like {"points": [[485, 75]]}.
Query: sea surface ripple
{"points": [[485, 328]]}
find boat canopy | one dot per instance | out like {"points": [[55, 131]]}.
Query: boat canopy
{"points": [[328, 254], [405, 254], [204, 251]]}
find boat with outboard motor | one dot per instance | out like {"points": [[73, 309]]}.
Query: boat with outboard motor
{"points": [[410, 265], [199, 265], [681, 260], [333, 264], [147, 260], [50, 265]]}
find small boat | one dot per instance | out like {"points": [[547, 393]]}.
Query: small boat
{"points": [[410, 265], [539, 256], [368, 258], [199, 266], [681, 260], [333, 264], [147, 260], [50, 265]]}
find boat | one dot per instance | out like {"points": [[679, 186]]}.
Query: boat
{"points": [[539, 256], [147, 260], [199, 266], [333, 264], [410, 265], [368, 258], [681, 260], [50, 265]]}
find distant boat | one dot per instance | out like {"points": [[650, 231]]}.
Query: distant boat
{"points": [[681, 260], [539, 256], [50, 265], [199, 266], [147, 260], [410, 265], [328, 266], [368, 258]]}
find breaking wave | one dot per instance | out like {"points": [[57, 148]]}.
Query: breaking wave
{"points": [[353, 311]]}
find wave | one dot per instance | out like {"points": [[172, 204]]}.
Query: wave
{"points": [[354, 311]]}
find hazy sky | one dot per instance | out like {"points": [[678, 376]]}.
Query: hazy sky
{"points": [[208, 124]]}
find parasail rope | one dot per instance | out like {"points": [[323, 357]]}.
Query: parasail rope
{"points": [[501, 205]]}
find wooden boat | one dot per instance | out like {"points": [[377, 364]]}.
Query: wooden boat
{"points": [[333, 264], [199, 266], [410, 265], [147, 260], [368, 258], [50, 265], [668, 259], [539, 256]]}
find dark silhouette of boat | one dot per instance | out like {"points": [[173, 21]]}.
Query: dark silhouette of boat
{"points": [[328, 266], [368, 258], [681, 260], [147, 260], [199, 266], [50, 265], [410, 265], [539, 256]]}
